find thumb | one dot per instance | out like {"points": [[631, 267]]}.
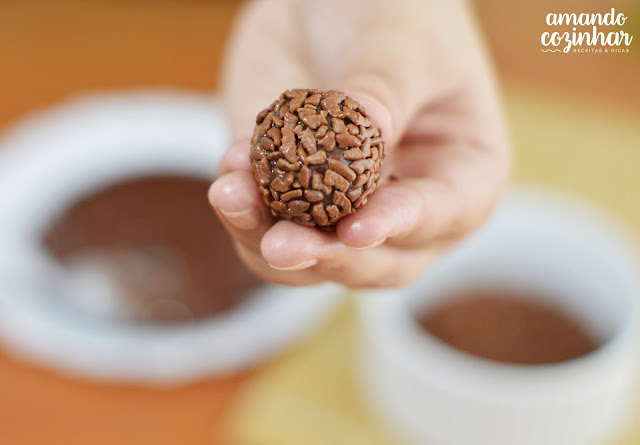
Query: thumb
{"points": [[395, 76], [392, 86]]}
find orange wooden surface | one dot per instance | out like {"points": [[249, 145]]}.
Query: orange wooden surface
{"points": [[513, 30], [39, 407], [49, 50]]}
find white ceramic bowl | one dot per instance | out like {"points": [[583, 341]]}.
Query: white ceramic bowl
{"points": [[52, 159], [429, 393]]}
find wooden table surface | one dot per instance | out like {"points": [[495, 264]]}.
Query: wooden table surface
{"points": [[50, 50]]}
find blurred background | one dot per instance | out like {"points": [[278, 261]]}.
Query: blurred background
{"points": [[575, 125]]}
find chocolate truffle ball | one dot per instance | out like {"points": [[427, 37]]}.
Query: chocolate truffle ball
{"points": [[316, 156]]}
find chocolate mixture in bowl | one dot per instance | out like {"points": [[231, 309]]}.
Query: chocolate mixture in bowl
{"points": [[155, 242], [509, 328]]}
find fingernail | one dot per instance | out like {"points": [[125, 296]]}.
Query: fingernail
{"points": [[374, 244], [247, 219], [303, 265]]}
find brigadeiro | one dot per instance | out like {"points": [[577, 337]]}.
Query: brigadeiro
{"points": [[316, 156]]}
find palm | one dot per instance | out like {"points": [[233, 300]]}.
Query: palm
{"points": [[446, 145]]}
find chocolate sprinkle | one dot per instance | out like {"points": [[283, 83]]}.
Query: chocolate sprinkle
{"points": [[316, 156]]}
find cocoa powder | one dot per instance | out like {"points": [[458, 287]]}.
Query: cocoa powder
{"points": [[160, 240], [504, 327]]}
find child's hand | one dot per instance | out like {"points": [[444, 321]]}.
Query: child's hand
{"points": [[420, 70]]}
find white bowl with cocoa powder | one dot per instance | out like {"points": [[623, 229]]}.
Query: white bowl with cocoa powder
{"points": [[75, 319], [576, 261]]}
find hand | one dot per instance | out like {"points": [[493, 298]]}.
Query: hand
{"points": [[420, 70]]}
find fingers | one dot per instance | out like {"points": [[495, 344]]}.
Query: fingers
{"points": [[411, 213], [386, 243], [447, 191], [291, 254], [295, 254], [391, 214], [236, 158], [240, 208], [290, 246]]}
